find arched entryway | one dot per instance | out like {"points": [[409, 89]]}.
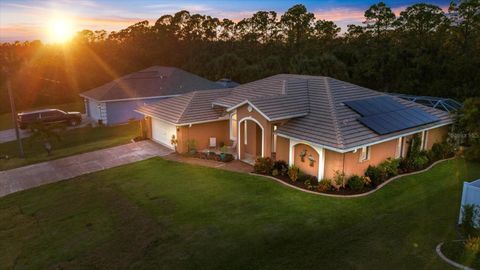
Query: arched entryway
{"points": [[251, 137]]}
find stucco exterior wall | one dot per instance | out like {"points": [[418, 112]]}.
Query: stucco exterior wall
{"points": [[436, 135], [305, 165], [350, 162], [283, 145], [201, 133]]}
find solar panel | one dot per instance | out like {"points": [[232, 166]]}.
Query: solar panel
{"points": [[385, 123], [375, 105]]}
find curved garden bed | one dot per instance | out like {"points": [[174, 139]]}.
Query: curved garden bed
{"points": [[365, 192], [454, 253]]}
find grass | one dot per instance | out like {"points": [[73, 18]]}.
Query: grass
{"points": [[162, 214], [456, 251], [6, 118], [74, 141]]}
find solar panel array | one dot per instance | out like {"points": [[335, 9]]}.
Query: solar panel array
{"points": [[385, 115], [375, 105]]}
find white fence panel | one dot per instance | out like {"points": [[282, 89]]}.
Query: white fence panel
{"points": [[470, 195]]}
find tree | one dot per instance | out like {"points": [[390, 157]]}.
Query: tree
{"points": [[326, 30], [379, 19], [421, 19], [297, 24], [465, 16]]}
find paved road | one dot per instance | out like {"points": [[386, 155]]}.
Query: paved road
{"points": [[9, 134], [60, 169]]}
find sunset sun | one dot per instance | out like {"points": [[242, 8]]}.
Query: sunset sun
{"points": [[60, 30]]}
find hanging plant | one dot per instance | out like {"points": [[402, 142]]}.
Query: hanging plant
{"points": [[312, 160], [303, 154]]}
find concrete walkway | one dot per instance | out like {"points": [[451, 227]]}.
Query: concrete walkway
{"points": [[60, 169]]}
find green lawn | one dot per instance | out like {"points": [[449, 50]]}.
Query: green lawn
{"points": [[161, 214], [6, 118], [75, 141]]}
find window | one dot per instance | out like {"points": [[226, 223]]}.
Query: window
{"points": [[245, 131], [365, 154], [233, 126]]}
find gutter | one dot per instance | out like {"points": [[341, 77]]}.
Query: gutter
{"points": [[339, 150]]}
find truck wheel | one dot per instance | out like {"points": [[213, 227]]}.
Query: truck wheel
{"points": [[73, 122]]}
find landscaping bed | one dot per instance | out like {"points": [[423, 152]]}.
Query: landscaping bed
{"points": [[456, 251], [341, 184]]}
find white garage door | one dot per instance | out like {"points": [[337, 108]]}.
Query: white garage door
{"points": [[162, 132]]}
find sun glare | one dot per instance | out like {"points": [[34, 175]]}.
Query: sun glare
{"points": [[60, 30]]}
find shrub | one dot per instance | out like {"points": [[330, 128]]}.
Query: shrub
{"points": [[281, 166], [375, 174], [472, 245], [302, 177], [311, 182], [470, 214], [228, 157], [356, 183], [340, 179], [472, 153], [293, 172], [274, 172], [263, 165], [324, 185], [389, 167]]}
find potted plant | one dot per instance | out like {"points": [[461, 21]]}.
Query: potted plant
{"points": [[223, 152]]}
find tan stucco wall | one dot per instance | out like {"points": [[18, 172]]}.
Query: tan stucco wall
{"points": [[201, 133], [283, 145], [350, 162], [436, 135], [305, 166], [243, 112]]}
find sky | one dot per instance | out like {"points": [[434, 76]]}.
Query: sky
{"points": [[30, 19]]}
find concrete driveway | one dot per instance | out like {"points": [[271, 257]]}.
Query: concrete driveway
{"points": [[60, 169]]}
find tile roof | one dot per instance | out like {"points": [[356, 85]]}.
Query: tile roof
{"points": [[154, 81], [314, 105], [189, 108]]}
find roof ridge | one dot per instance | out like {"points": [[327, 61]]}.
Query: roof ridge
{"points": [[192, 94], [331, 102]]}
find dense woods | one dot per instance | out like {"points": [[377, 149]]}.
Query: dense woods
{"points": [[423, 51]]}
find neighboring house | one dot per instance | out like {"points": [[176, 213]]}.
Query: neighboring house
{"points": [[333, 124], [114, 102], [227, 83]]}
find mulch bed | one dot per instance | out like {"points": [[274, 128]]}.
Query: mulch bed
{"points": [[342, 191]]}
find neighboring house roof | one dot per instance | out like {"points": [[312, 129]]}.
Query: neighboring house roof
{"points": [[227, 83], [315, 107], [190, 108], [154, 81]]}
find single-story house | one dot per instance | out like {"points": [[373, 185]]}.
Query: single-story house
{"points": [[114, 102], [317, 123]]}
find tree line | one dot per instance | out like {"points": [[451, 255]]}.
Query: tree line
{"points": [[424, 51]]}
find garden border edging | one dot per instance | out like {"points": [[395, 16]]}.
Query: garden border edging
{"points": [[438, 249], [355, 195]]}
